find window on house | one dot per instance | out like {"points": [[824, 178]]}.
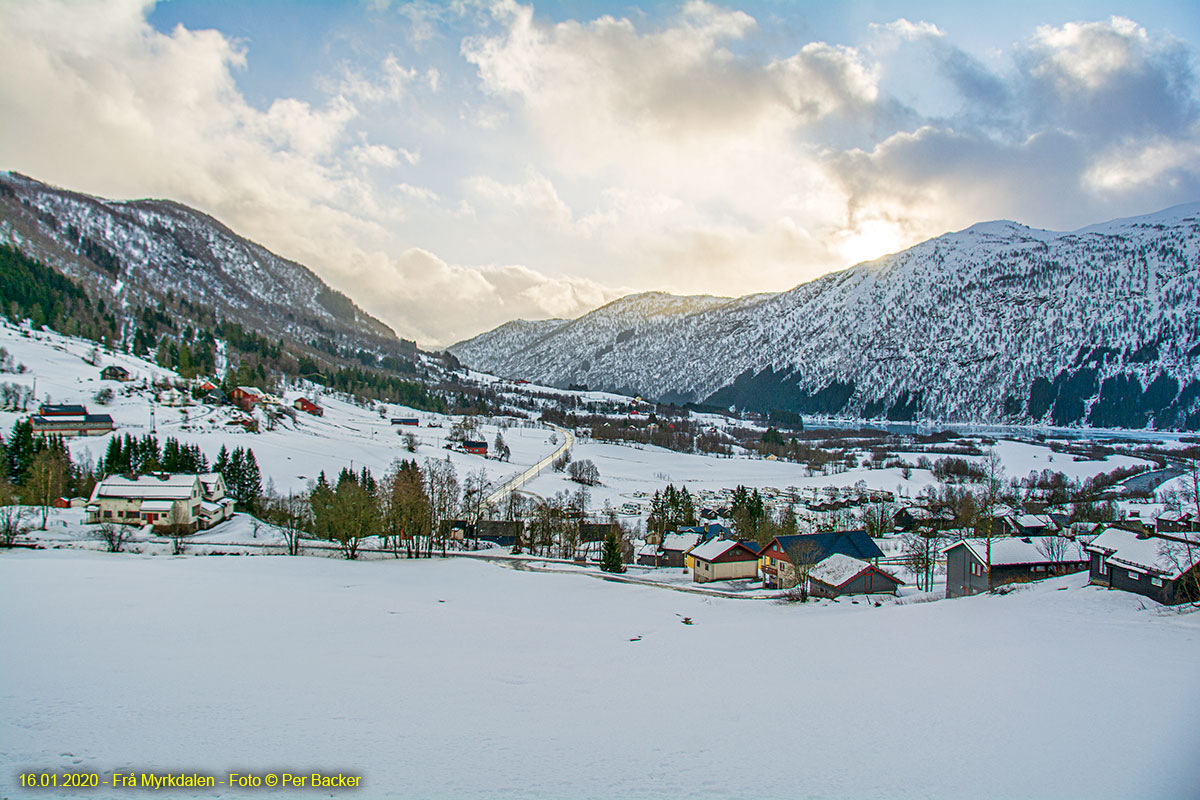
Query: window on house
{"points": [[1133, 576], [1103, 568], [1156, 582]]}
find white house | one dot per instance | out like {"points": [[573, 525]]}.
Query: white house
{"points": [[161, 499]]}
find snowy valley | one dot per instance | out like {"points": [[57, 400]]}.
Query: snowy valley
{"points": [[487, 657]]}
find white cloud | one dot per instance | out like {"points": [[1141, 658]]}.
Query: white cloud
{"points": [[443, 303], [693, 153], [535, 196], [110, 106]]}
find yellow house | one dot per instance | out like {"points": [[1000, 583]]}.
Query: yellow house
{"points": [[723, 560]]}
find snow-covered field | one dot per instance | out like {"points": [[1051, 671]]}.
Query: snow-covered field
{"points": [[441, 679]]}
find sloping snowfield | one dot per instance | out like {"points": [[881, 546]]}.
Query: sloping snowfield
{"points": [[464, 679]]}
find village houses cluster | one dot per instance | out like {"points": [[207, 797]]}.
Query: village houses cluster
{"points": [[1160, 561]]}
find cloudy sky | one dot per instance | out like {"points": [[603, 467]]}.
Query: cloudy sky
{"points": [[452, 166]]}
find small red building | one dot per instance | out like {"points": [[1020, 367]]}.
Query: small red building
{"points": [[246, 397], [479, 448], [309, 407]]}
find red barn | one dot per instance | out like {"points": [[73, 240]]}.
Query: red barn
{"points": [[309, 407], [478, 448], [246, 397]]}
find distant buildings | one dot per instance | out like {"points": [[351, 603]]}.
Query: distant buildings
{"points": [[69, 420], [115, 373], [478, 447]]}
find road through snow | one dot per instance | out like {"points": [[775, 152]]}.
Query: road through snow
{"points": [[513, 484]]}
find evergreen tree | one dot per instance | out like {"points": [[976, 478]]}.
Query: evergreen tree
{"points": [[251, 481], [657, 521], [367, 481], [610, 553], [687, 508], [243, 479], [20, 451]]}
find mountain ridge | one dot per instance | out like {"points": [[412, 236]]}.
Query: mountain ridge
{"points": [[151, 252], [998, 322]]}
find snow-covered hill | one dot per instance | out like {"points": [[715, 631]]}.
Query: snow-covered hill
{"points": [[291, 450], [999, 322], [137, 252]]}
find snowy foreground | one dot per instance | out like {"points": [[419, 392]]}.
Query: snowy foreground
{"points": [[457, 678]]}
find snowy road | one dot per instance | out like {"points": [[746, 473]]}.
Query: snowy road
{"points": [[513, 484]]}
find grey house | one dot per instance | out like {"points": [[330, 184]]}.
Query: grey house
{"points": [[1161, 567], [671, 552], [1014, 560], [841, 574]]}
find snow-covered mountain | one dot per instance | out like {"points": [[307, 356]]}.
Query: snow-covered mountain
{"points": [[138, 252], [999, 322]]}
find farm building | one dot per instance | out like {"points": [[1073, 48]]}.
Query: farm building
{"points": [[1014, 560], [841, 575], [69, 420], [61, 410], [115, 373], [405, 421], [478, 447], [308, 407], [246, 397]]}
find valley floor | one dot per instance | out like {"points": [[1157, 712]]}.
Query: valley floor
{"points": [[456, 678]]}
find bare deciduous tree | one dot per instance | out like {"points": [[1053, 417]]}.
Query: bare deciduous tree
{"points": [[803, 555], [1054, 548], [47, 479], [441, 485], [993, 485], [177, 528], [12, 517], [114, 535]]}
